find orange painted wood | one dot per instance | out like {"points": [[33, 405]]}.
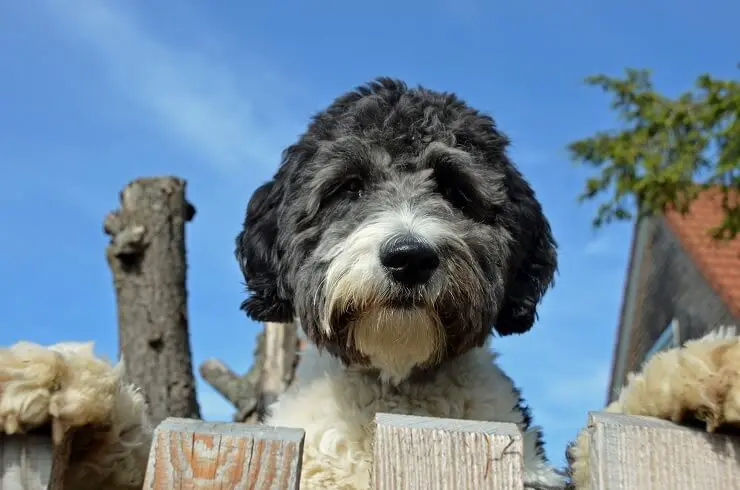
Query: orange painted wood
{"points": [[192, 454]]}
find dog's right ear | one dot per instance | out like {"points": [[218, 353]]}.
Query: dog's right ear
{"points": [[535, 259], [256, 251]]}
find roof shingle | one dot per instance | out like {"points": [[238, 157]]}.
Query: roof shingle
{"points": [[719, 261]]}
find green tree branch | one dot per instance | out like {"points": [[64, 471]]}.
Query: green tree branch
{"points": [[667, 151]]}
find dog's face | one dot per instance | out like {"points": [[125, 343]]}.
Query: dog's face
{"points": [[397, 232]]}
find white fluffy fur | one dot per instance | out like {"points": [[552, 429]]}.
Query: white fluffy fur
{"points": [[397, 340], [66, 387], [336, 406]]}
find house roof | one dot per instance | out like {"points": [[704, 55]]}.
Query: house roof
{"points": [[616, 373], [719, 261]]}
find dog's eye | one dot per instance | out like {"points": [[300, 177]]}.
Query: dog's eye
{"points": [[455, 196], [352, 188]]}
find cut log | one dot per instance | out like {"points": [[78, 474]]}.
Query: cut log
{"points": [[146, 255], [273, 368]]}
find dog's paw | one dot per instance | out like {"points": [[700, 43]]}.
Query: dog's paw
{"points": [[698, 382], [66, 387]]}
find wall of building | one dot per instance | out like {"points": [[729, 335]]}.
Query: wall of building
{"points": [[669, 286]]}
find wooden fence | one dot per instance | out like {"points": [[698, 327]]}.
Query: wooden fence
{"points": [[411, 453]]}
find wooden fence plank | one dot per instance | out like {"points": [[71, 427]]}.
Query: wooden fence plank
{"points": [[191, 454], [636, 453], [32, 461], [423, 453]]}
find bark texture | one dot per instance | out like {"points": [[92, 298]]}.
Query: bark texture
{"points": [[146, 255], [275, 359]]}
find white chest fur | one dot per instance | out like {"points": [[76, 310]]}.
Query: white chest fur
{"points": [[336, 406]]}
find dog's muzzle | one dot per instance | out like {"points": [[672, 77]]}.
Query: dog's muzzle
{"points": [[409, 260]]}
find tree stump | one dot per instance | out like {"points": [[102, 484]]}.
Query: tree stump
{"points": [[276, 356], [146, 255]]}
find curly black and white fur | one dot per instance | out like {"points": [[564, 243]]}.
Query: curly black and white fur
{"points": [[399, 235]]}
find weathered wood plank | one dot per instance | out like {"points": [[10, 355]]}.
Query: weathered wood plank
{"points": [[191, 454], [423, 453], [32, 462], [629, 452]]}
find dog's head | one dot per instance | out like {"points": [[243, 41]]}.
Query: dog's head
{"points": [[397, 231]]}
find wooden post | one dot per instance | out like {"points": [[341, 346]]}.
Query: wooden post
{"points": [[630, 452], [32, 461], [146, 255], [201, 455], [424, 453]]}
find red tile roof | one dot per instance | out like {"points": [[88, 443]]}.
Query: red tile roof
{"points": [[719, 261]]}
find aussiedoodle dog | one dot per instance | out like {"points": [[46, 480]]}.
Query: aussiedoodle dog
{"points": [[399, 235]]}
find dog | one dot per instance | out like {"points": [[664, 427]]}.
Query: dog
{"points": [[398, 235], [401, 238]]}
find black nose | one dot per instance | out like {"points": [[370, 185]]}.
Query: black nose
{"points": [[409, 260]]}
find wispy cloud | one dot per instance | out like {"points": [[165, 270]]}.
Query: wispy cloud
{"points": [[200, 103]]}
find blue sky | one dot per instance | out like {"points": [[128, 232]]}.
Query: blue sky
{"points": [[95, 93]]}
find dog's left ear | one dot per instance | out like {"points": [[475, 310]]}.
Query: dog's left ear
{"points": [[535, 253], [258, 258]]}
